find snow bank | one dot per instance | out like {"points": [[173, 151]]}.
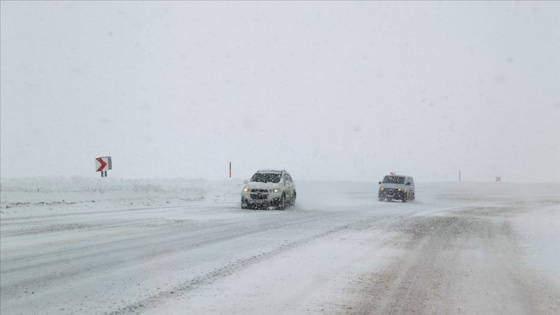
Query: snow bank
{"points": [[19, 194]]}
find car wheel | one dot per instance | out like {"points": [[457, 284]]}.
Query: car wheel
{"points": [[282, 202], [244, 204], [405, 197], [293, 202]]}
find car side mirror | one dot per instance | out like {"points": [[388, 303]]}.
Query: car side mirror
{"points": [[407, 184], [379, 183]]}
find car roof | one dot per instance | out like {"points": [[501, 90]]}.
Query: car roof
{"points": [[271, 171]]}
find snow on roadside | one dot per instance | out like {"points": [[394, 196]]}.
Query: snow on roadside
{"points": [[534, 215], [57, 194], [538, 234]]}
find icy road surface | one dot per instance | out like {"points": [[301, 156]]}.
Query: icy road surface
{"points": [[179, 247]]}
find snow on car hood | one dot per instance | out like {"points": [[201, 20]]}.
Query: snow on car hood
{"points": [[389, 185], [257, 185]]}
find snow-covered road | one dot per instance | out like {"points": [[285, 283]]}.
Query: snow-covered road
{"points": [[188, 248]]}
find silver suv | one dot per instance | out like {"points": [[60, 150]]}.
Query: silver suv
{"points": [[398, 187], [269, 188]]}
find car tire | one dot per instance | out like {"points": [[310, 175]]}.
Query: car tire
{"points": [[293, 202], [244, 204], [282, 202]]}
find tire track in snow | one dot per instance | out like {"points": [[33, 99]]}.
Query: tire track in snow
{"points": [[119, 253], [456, 263], [220, 273]]}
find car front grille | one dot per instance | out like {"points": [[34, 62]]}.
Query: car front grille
{"points": [[259, 196], [259, 190]]}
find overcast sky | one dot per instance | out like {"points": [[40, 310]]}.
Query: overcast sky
{"points": [[325, 90]]}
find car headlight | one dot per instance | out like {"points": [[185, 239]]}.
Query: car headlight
{"points": [[400, 189], [245, 189], [382, 189], [275, 190]]}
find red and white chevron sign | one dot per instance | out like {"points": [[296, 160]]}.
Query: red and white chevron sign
{"points": [[101, 163]]}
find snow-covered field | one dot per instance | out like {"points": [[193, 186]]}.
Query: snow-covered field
{"points": [[177, 246]]}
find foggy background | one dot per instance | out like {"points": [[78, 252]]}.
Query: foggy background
{"points": [[325, 90]]}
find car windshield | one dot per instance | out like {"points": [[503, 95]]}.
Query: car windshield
{"points": [[393, 180], [266, 178]]}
